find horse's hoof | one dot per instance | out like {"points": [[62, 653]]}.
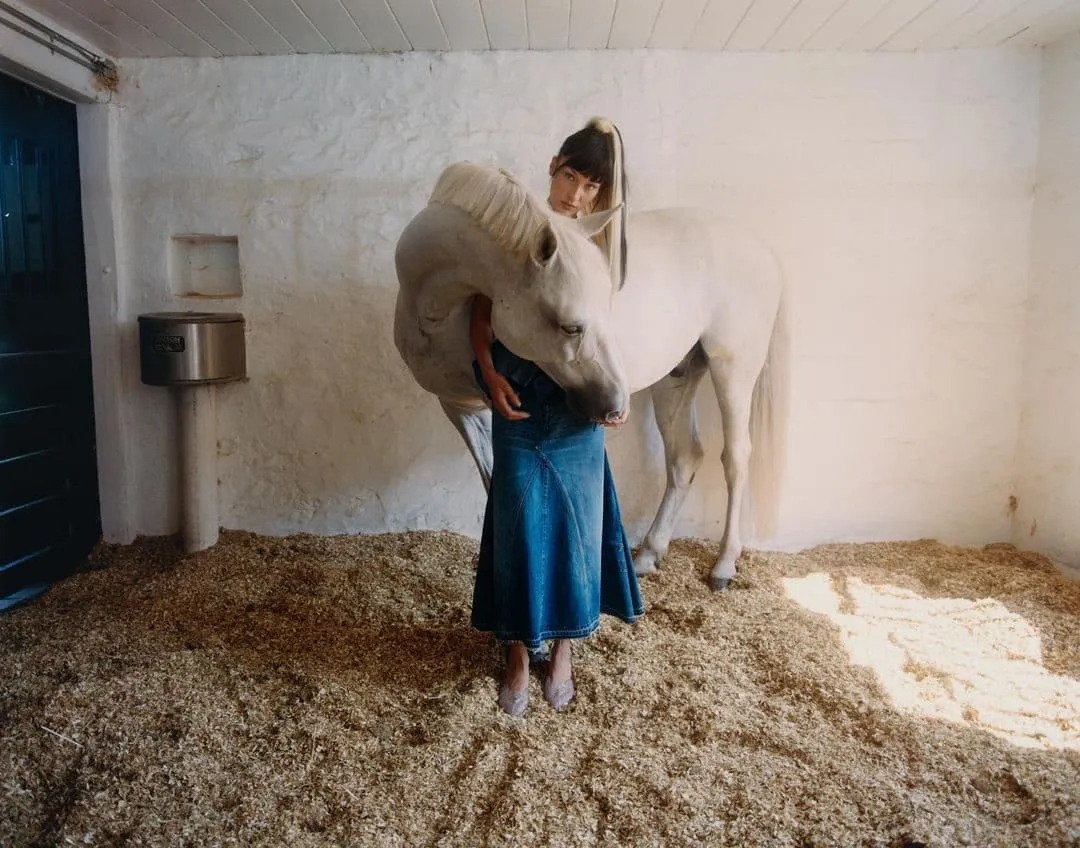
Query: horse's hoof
{"points": [[719, 584], [645, 563]]}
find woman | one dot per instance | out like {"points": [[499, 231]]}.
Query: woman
{"points": [[554, 554]]}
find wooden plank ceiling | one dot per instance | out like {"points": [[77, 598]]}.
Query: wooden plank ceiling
{"points": [[133, 28]]}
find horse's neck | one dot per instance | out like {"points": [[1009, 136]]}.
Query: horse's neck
{"points": [[441, 293], [481, 267]]}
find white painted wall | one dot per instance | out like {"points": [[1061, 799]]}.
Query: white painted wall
{"points": [[115, 374], [897, 189], [1048, 461]]}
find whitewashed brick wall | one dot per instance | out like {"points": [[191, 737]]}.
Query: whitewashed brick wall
{"points": [[897, 189]]}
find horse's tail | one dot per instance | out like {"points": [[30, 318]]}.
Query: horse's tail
{"points": [[768, 429]]}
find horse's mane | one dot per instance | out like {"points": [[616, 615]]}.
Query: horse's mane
{"points": [[495, 199]]}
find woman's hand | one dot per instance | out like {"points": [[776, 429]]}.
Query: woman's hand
{"points": [[503, 397]]}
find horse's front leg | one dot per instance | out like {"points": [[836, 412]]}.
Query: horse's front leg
{"points": [[673, 406], [734, 391], [473, 422]]}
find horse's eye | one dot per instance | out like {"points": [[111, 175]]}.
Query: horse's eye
{"points": [[571, 329]]}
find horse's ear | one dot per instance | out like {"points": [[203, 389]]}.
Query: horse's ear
{"points": [[544, 245], [590, 225]]}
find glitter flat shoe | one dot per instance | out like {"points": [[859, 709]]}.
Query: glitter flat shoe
{"points": [[511, 702], [559, 695]]}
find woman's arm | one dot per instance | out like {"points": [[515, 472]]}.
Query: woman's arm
{"points": [[480, 334], [503, 397]]}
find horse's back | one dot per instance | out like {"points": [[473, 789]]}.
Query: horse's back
{"points": [[704, 245], [694, 276]]}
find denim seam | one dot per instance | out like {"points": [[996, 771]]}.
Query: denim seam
{"points": [[569, 506], [520, 507], [607, 609]]}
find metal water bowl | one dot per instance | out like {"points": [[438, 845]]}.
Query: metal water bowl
{"points": [[191, 348]]}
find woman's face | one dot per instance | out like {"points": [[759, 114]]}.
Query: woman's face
{"points": [[570, 191]]}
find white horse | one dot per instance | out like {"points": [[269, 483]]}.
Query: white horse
{"points": [[700, 297]]}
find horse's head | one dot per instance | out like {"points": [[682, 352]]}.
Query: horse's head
{"points": [[558, 314]]}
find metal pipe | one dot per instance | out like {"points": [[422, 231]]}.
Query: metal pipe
{"points": [[74, 51], [196, 408]]}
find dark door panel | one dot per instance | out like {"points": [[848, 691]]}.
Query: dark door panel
{"points": [[49, 511]]}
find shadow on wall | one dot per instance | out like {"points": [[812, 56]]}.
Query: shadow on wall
{"points": [[332, 434]]}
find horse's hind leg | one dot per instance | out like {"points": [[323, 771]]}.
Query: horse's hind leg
{"points": [[474, 425], [673, 405], [734, 392]]}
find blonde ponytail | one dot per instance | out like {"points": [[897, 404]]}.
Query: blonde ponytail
{"points": [[612, 239]]}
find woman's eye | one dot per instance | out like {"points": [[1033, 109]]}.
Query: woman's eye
{"points": [[571, 329]]}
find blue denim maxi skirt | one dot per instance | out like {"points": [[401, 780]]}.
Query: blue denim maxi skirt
{"points": [[553, 553]]}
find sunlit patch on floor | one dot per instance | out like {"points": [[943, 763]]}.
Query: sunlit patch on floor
{"points": [[971, 662]]}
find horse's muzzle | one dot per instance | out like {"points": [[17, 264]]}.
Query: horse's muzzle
{"points": [[602, 408]]}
